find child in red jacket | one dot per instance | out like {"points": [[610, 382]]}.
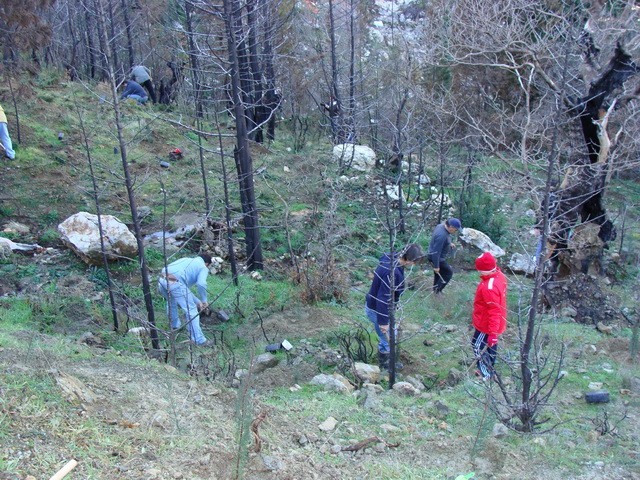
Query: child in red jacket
{"points": [[489, 313]]}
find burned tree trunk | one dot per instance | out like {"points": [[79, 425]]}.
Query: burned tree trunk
{"points": [[579, 227]]}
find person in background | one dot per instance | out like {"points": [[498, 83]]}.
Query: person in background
{"points": [[489, 315], [5, 139], [142, 75], [175, 285], [134, 90], [379, 296], [439, 248]]}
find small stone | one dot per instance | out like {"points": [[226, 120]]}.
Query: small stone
{"points": [[335, 449], [303, 440], [500, 430], [389, 428], [328, 425], [595, 385]]}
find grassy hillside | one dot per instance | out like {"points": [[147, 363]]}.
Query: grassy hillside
{"points": [[100, 399]]}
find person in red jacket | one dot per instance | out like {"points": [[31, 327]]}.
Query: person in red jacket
{"points": [[489, 313]]}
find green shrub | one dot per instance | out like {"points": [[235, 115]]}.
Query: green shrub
{"points": [[481, 211]]}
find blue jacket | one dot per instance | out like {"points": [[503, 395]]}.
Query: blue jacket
{"points": [[379, 295], [440, 245], [191, 271], [133, 88]]}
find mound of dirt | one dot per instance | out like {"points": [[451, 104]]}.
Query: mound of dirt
{"points": [[587, 295]]}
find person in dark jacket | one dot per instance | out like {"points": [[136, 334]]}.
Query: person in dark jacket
{"points": [[134, 90], [489, 313], [379, 297], [439, 248]]}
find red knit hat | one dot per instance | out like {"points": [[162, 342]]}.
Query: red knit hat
{"points": [[485, 262]]}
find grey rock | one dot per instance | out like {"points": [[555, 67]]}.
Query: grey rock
{"points": [[263, 362], [500, 431]]}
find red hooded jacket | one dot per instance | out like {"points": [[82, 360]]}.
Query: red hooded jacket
{"points": [[490, 304]]}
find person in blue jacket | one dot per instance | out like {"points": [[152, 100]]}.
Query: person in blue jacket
{"points": [[134, 90], [439, 249], [379, 296], [175, 285]]}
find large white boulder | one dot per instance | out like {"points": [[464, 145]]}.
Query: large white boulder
{"points": [[81, 234], [474, 237], [359, 157]]}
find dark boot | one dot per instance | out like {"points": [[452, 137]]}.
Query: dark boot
{"points": [[383, 360]]}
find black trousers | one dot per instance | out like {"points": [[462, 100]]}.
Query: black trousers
{"points": [[485, 355], [441, 278], [149, 88]]}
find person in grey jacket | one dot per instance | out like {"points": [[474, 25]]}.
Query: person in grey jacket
{"points": [[439, 248], [142, 75]]}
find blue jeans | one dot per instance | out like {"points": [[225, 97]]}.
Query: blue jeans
{"points": [[138, 98], [383, 340], [5, 139], [178, 294]]}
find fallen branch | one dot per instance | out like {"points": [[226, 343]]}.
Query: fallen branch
{"points": [[257, 441], [60, 474], [366, 442]]}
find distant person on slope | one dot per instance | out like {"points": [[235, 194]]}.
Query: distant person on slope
{"points": [[440, 248], [489, 313], [379, 296], [142, 75], [5, 139], [175, 285], [134, 90]]}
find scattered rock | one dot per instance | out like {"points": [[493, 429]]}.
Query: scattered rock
{"points": [[367, 373], [569, 312], [74, 390], [328, 425], [386, 427], [405, 388], [335, 449], [442, 409], [450, 328], [263, 362], [500, 431], [415, 382], [161, 420], [607, 329], [332, 383], [595, 385], [522, 263], [272, 463], [15, 227], [454, 377], [90, 339]]}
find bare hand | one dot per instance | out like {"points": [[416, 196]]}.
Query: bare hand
{"points": [[384, 329], [437, 270]]}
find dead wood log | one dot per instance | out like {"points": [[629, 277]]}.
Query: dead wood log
{"points": [[255, 425], [366, 442]]}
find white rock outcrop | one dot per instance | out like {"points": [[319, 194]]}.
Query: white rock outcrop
{"points": [[471, 236], [359, 157], [81, 234]]}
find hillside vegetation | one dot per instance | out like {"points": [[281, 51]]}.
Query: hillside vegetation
{"points": [[73, 388]]}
